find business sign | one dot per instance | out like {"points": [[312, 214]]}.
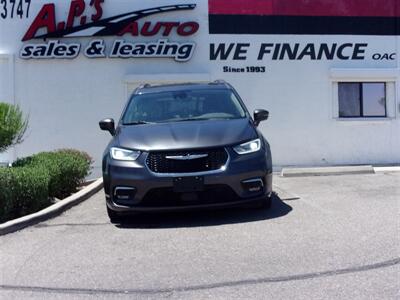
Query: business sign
{"points": [[95, 26], [287, 18]]}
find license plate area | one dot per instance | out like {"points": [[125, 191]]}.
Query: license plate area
{"points": [[188, 184]]}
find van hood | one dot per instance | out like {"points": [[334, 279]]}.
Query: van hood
{"points": [[185, 135]]}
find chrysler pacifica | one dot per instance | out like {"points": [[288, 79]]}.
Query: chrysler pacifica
{"points": [[185, 146]]}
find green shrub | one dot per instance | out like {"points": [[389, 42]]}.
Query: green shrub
{"points": [[67, 169], [6, 195], [25, 188], [12, 126], [23, 191], [32, 181]]}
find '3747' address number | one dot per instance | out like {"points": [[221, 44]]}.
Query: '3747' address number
{"points": [[14, 8]]}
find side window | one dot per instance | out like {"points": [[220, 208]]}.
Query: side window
{"points": [[362, 99]]}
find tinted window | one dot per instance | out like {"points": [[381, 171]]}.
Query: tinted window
{"points": [[374, 99], [362, 99], [349, 100], [182, 106]]}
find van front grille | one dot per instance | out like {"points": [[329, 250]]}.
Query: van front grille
{"points": [[187, 161]]}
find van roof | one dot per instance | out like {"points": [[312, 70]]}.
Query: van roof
{"points": [[147, 88]]}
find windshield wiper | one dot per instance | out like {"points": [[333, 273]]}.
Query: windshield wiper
{"points": [[137, 123], [203, 119], [190, 119]]}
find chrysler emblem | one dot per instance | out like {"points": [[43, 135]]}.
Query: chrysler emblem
{"points": [[186, 157]]}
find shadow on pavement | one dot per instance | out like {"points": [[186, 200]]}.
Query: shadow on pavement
{"points": [[206, 217]]}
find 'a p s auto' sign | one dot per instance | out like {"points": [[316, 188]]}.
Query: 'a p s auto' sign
{"points": [[119, 25]]}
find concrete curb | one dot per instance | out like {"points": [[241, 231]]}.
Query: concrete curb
{"points": [[51, 211], [387, 169], [323, 171]]}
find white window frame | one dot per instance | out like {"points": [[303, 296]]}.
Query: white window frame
{"points": [[388, 76]]}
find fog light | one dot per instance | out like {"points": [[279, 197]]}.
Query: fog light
{"points": [[253, 185], [124, 193]]}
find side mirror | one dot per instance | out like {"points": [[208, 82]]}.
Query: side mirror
{"points": [[260, 115], [107, 125]]}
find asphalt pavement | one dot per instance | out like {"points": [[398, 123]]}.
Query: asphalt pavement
{"points": [[328, 237]]}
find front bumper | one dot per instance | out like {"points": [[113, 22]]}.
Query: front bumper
{"points": [[222, 188]]}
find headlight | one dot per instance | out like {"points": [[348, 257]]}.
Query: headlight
{"points": [[124, 154], [249, 147]]}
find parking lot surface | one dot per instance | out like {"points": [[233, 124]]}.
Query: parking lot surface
{"points": [[328, 237]]}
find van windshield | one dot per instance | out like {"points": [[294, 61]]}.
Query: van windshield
{"points": [[177, 106]]}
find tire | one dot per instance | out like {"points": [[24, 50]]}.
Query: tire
{"points": [[114, 216]]}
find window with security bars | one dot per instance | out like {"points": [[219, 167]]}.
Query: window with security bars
{"points": [[362, 99]]}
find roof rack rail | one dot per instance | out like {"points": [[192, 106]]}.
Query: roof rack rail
{"points": [[144, 85], [219, 81]]}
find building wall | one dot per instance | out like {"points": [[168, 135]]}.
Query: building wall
{"points": [[65, 98]]}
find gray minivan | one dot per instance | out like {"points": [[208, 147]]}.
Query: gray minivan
{"points": [[185, 146]]}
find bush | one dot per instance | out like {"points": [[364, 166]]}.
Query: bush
{"points": [[32, 181], [67, 169], [23, 190], [12, 126]]}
